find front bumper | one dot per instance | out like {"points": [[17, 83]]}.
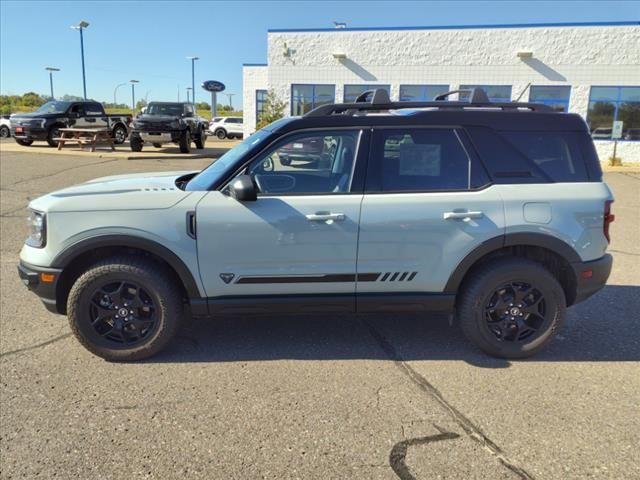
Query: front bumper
{"points": [[159, 136], [29, 133], [38, 280], [591, 276]]}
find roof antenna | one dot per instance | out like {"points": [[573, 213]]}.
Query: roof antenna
{"points": [[522, 93]]}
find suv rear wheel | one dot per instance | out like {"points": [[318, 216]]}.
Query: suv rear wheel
{"points": [[511, 307], [124, 309]]}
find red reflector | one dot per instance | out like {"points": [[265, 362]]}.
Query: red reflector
{"points": [[587, 274]]}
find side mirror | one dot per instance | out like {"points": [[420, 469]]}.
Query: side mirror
{"points": [[244, 189]]}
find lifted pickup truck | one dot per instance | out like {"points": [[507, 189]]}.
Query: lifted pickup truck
{"points": [[46, 122], [165, 122]]}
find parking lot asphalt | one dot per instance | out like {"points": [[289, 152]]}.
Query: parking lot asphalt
{"points": [[314, 397]]}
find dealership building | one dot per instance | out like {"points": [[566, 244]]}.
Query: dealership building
{"points": [[592, 69]]}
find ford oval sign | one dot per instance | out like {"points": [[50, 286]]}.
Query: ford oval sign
{"points": [[213, 86]]}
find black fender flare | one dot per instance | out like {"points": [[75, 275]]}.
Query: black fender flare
{"points": [[531, 239], [67, 256]]}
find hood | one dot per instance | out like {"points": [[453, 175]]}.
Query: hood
{"points": [[142, 191]]}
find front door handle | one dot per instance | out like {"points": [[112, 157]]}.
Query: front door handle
{"points": [[323, 217], [461, 215]]}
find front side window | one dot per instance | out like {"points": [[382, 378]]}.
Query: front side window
{"points": [[351, 92], [609, 104], [421, 160], [261, 99], [496, 93], [421, 93], [305, 98], [556, 97], [308, 163]]}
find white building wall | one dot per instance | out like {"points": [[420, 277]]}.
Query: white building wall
{"points": [[254, 77], [579, 56]]}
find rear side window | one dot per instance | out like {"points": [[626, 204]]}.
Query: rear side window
{"points": [[420, 160], [557, 154]]}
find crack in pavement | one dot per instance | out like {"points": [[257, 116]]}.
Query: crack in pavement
{"points": [[625, 253], [398, 455], [473, 431], [37, 345]]}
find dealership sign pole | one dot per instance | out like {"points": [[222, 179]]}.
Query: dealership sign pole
{"points": [[214, 87]]}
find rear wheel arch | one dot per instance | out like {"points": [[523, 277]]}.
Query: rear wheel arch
{"points": [[77, 258], [551, 252]]}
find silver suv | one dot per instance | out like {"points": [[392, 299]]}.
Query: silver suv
{"points": [[495, 213]]}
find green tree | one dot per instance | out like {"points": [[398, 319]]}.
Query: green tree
{"points": [[273, 110]]}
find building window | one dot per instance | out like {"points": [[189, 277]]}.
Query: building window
{"points": [[608, 104], [351, 92], [305, 98], [421, 93], [556, 97], [496, 93], [261, 98]]}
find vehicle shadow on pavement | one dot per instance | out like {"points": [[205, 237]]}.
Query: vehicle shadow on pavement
{"points": [[604, 328]]}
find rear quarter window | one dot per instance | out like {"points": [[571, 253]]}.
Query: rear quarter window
{"points": [[557, 154]]}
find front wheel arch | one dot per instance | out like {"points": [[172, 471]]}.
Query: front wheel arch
{"points": [[77, 258]]}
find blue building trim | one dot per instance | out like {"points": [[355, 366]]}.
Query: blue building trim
{"points": [[254, 64], [461, 27]]}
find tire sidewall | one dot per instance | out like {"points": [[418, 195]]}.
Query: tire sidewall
{"points": [[120, 141], [5, 132], [221, 134]]}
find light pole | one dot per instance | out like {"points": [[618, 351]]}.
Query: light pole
{"points": [[81, 26], [193, 78], [229, 95], [115, 90], [188, 90], [51, 70], [133, 95]]}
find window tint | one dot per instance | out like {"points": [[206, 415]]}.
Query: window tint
{"points": [[261, 99], [93, 109], [557, 97], [234, 120], [421, 160], [421, 93], [496, 93], [351, 92], [556, 153], [305, 98], [318, 162], [608, 104]]}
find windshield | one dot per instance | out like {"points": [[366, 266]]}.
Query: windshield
{"points": [[53, 107], [171, 109], [225, 163]]}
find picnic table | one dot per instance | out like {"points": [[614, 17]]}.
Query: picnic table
{"points": [[85, 136]]}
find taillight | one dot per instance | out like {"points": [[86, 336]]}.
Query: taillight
{"points": [[608, 218]]}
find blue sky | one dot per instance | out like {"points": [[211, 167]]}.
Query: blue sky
{"points": [[148, 40]]}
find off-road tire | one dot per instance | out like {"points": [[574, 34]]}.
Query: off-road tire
{"points": [[478, 288], [185, 142], [221, 134], [119, 135], [24, 143], [154, 278], [157, 145], [135, 142], [54, 132], [200, 139]]}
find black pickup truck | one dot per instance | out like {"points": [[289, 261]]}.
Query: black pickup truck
{"points": [[169, 122], [45, 123]]}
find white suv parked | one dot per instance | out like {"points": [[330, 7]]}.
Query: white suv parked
{"points": [[226, 127]]}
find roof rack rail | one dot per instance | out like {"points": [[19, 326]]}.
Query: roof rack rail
{"points": [[378, 100]]}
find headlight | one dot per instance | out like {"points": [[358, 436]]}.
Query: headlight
{"points": [[137, 124], [37, 222]]}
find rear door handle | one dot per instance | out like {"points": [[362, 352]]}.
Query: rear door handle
{"points": [[461, 215], [323, 217]]}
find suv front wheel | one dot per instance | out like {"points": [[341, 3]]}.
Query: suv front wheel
{"points": [[124, 309], [185, 141], [511, 307]]}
